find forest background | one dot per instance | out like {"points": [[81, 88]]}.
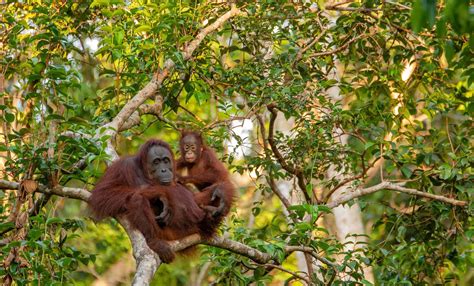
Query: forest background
{"points": [[347, 127]]}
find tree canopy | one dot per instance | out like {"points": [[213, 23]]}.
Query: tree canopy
{"points": [[328, 114]]}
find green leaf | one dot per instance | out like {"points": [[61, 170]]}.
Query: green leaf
{"points": [[54, 220], [118, 37], [142, 28], [446, 172], [6, 225], [35, 233], [99, 3], [309, 189], [9, 117], [449, 50], [369, 144], [406, 171]]}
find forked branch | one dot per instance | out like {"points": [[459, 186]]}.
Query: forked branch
{"points": [[297, 172]]}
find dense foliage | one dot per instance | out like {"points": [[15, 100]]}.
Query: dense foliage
{"points": [[331, 96]]}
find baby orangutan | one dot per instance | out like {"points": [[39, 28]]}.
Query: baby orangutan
{"points": [[199, 166]]}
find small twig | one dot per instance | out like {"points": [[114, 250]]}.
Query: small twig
{"points": [[341, 3], [190, 113], [224, 122], [263, 132], [381, 166], [341, 48], [289, 272], [278, 193], [404, 7], [335, 7], [170, 123], [299, 56], [403, 210], [348, 180], [290, 249], [449, 136], [271, 141]]}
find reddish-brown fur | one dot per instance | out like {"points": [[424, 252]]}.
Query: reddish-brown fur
{"points": [[206, 173], [127, 189]]}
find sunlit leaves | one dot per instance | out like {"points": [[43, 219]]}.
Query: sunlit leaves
{"points": [[73, 65]]}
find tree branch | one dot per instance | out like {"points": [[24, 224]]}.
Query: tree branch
{"points": [[151, 88], [73, 193], [348, 180], [301, 52], [308, 282], [290, 249], [82, 194], [147, 260], [224, 243], [359, 192], [239, 248], [271, 140], [269, 178], [336, 7], [341, 48]]}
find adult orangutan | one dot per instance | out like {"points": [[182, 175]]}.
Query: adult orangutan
{"points": [[143, 188], [199, 166]]}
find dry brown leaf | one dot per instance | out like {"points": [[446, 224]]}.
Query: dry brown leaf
{"points": [[21, 220], [7, 280], [9, 259], [22, 261], [29, 186]]}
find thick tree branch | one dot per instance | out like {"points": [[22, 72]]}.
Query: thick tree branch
{"points": [[129, 110], [82, 194], [151, 88], [153, 109], [224, 243], [239, 248], [188, 51], [73, 193], [359, 192], [147, 260]]}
